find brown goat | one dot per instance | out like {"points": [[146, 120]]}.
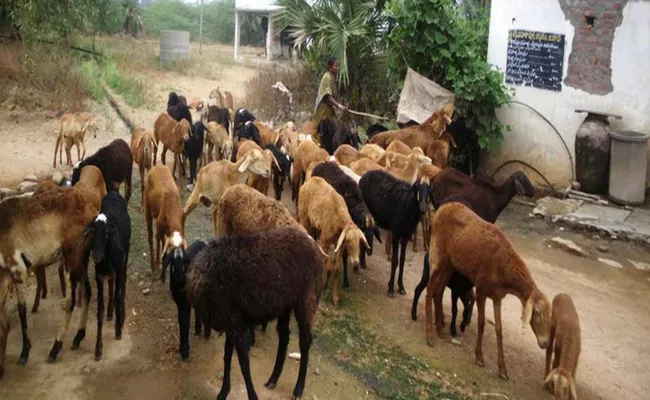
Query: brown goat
{"points": [[213, 180], [565, 341], [322, 209], [397, 146], [258, 182], [481, 252], [288, 139], [346, 155], [72, 130], [438, 150], [372, 151], [173, 136], [38, 231], [143, 148], [162, 202], [409, 172], [267, 134], [217, 139], [306, 153], [364, 165]]}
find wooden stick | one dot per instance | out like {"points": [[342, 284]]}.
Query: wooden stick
{"points": [[367, 115]]}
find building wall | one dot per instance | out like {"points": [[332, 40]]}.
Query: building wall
{"points": [[609, 71]]}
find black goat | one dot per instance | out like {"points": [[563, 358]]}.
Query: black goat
{"points": [[397, 206], [116, 163], [242, 116], [279, 175], [172, 100], [349, 190], [219, 115], [335, 133], [111, 239], [194, 148], [246, 132], [177, 108], [178, 262], [245, 280], [373, 130]]}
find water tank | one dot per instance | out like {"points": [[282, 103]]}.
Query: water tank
{"points": [[628, 168], [174, 45], [592, 147]]}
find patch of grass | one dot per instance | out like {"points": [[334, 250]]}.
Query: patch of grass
{"points": [[133, 90], [387, 369], [92, 75]]}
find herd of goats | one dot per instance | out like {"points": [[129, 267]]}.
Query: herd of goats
{"points": [[265, 264]]}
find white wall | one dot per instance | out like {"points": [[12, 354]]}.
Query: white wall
{"points": [[532, 139]]}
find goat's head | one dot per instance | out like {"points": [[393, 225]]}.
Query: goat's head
{"points": [[417, 158], [428, 172], [421, 190], [100, 231], [523, 186], [226, 151], [537, 313], [371, 231], [185, 129], [173, 256], [349, 241], [172, 100], [90, 124], [253, 162], [561, 384]]}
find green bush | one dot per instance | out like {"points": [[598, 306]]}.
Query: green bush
{"points": [[92, 78], [434, 38]]}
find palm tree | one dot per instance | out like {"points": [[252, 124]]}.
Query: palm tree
{"points": [[350, 30]]}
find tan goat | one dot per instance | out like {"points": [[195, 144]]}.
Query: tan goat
{"points": [[306, 153], [217, 139], [173, 136], [399, 147], [323, 210], [409, 173], [373, 152], [143, 148], [213, 180], [162, 202], [258, 182], [364, 165], [346, 155], [72, 130], [479, 250], [565, 341], [288, 139]]}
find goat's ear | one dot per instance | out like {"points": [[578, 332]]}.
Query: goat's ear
{"points": [[277, 164], [167, 259], [165, 248], [243, 166], [339, 243], [377, 233], [527, 312], [365, 242], [574, 393]]}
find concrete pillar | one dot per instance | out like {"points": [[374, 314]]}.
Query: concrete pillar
{"points": [[270, 32], [237, 33]]}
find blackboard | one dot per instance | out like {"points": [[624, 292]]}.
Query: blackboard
{"points": [[535, 59]]}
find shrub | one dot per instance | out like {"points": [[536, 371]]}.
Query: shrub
{"points": [[437, 41], [92, 78]]}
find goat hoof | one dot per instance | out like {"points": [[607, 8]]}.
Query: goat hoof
{"points": [[270, 384], [2, 372], [34, 310], [430, 342], [504, 376], [391, 294], [81, 334], [55, 351], [109, 317], [98, 357], [346, 288], [480, 363], [402, 291], [294, 397]]}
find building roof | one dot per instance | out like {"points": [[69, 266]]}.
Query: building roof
{"points": [[256, 5]]}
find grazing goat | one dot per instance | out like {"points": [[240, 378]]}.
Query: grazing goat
{"points": [[194, 148], [281, 171], [346, 155], [178, 110], [565, 341], [372, 151], [173, 136], [480, 251], [143, 148], [373, 130], [178, 264], [162, 202], [322, 209], [363, 165], [218, 140], [259, 182], [110, 243], [245, 280], [397, 206], [349, 189], [216, 177], [115, 163], [72, 130], [306, 153], [38, 231]]}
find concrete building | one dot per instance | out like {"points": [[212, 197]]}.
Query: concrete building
{"points": [[563, 55], [264, 8]]}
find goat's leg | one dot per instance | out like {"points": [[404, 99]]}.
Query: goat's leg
{"points": [[56, 148], [503, 371], [362, 259], [70, 302], [62, 277], [163, 156], [393, 266], [415, 239], [344, 260], [111, 297], [402, 260], [227, 361], [142, 169], [389, 246], [22, 313], [468, 305], [328, 268], [549, 352], [244, 365], [197, 323], [149, 221], [120, 293], [83, 153], [128, 189], [454, 312], [5, 284], [335, 280], [85, 294], [478, 351], [420, 287], [191, 204], [76, 143], [303, 319], [99, 344], [184, 311], [283, 334], [41, 287]]}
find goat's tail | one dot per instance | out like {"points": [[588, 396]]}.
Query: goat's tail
{"points": [[420, 287]]}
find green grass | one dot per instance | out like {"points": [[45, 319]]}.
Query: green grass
{"points": [[380, 365], [92, 76], [133, 90]]}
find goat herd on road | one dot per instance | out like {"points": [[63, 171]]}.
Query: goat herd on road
{"points": [[265, 264]]}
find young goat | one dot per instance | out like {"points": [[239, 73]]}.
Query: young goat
{"points": [[479, 250], [245, 280], [397, 206], [173, 136], [259, 182], [322, 209], [565, 341], [110, 243], [218, 140], [115, 163], [346, 154], [194, 148], [162, 202], [281, 171], [72, 130], [143, 148]]}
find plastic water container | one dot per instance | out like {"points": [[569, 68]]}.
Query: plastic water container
{"points": [[628, 167]]}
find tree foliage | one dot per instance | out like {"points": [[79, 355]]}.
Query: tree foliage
{"points": [[437, 41]]}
